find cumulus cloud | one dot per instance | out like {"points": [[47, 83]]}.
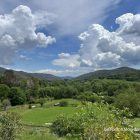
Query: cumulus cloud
{"points": [[101, 48], [18, 30], [67, 60], [74, 16]]}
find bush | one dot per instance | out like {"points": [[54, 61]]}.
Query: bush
{"points": [[41, 101], [108, 99], [64, 126], [89, 96], [10, 124], [91, 123], [5, 104], [129, 99], [30, 106], [63, 103]]}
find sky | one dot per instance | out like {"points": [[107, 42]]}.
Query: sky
{"points": [[69, 37]]}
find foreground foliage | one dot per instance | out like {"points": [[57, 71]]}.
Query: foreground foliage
{"points": [[10, 126], [93, 122]]}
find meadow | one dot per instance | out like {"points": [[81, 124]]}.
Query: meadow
{"points": [[46, 114], [36, 120]]}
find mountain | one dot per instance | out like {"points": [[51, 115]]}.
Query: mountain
{"points": [[25, 75], [123, 73], [45, 76]]}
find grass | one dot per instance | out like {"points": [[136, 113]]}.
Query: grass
{"points": [[71, 102], [40, 116], [136, 122], [38, 134], [46, 115]]}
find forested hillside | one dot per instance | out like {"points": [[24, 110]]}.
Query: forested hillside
{"points": [[123, 73]]}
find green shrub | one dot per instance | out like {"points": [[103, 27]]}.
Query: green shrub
{"points": [[10, 125], [91, 123], [30, 106], [5, 104], [41, 101], [129, 99], [63, 103]]}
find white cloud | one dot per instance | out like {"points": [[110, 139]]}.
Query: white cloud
{"points": [[73, 16], [76, 15], [101, 48], [50, 71], [64, 55], [43, 39], [18, 31], [67, 60], [66, 72], [24, 58]]}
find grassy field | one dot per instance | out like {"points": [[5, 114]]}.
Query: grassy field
{"points": [[47, 114], [40, 115]]}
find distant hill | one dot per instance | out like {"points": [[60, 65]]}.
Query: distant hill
{"points": [[45, 76], [25, 75], [123, 73]]}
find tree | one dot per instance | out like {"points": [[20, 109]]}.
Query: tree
{"points": [[97, 86], [41, 101], [16, 96], [89, 96], [4, 91], [42, 92]]}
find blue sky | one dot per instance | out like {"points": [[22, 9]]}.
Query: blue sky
{"points": [[64, 21]]}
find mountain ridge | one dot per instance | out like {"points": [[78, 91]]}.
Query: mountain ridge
{"points": [[26, 75], [124, 73]]}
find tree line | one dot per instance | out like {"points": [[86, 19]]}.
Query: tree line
{"points": [[119, 93]]}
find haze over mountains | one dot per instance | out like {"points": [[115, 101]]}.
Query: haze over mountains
{"points": [[124, 73]]}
